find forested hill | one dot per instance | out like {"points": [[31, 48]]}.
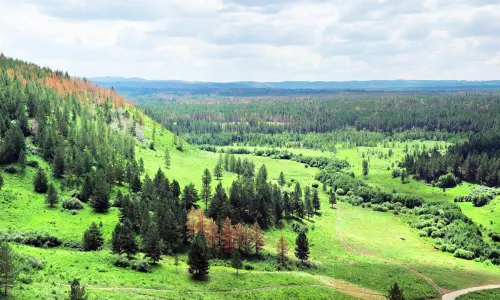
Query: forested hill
{"points": [[83, 129]]}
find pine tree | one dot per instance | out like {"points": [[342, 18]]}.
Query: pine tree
{"points": [[206, 189], [41, 182], [218, 171], [7, 267], [87, 188], [77, 292], [282, 180], [236, 261], [395, 293], [58, 162], [315, 200], [302, 249], [152, 243], [100, 195], [116, 239], [167, 159], [333, 198], [198, 257], [282, 250], [92, 238], [365, 167], [22, 160], [128, 240], [308, 202], [52, 198], [189, 196]]}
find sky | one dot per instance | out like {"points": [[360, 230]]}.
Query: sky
{"points": [[257, 40]]}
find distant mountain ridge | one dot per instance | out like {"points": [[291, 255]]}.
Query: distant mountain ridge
{"points": [[134, 87]]}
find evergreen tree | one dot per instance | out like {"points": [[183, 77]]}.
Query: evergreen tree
{"points": [[315, 200], [282, 180], [152, 243], [287, 204], [218, 204], [365, 167], [236, 261], [218, 171], [52, 198], [403, 176], [333, 198], [226, 162], [167, 159], [206, 180], [87, 188], [100, 195], [22, 160], [257, 238], [58, 162], [189, 196], [92, 238], [7, 267], [116, 239], [395, 293], [77, 292], [41, 182], [302, 249], [308, 202], [11, 145], [198, 256], [176, 189], [128, 241]]}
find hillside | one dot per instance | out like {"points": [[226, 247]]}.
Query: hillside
{"points": [[93, 146]]}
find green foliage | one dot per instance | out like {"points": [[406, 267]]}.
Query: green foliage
{"points": [[395, 293], [92, 238], [198, 257], [206, 180], [40, 181], [77, 292], [52, 198], [302, 246], [236, 261], [100, 194], [7, 267]]}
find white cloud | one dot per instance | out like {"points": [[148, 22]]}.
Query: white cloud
{"points": [[271, 40]]}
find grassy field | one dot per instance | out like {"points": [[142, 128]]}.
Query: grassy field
{"points": [[482, 295], [355, 252]]}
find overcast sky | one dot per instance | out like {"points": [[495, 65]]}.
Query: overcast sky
{"points": [[260, 40]]}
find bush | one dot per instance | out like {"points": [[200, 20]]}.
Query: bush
{"points": [[340, 192], [121, 262], [495, 237], [12, 169], [248, 267], [142, 266], [380, 208], [480, 200], [32, 163], [461, 253], [72, 204], [35, 239], [447, 181]]}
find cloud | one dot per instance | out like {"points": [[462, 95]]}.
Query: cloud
{"points": [[263, 40]]}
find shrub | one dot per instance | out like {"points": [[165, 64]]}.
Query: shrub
{"points": [[380, 208], [32, 163], [248, 267], [72, 203], [461, 253], [495, 237], [340, 192], [12, 169], [142, 266], [447, 181], [121, 262]]}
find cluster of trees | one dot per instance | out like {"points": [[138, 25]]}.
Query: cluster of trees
{"points": [[475, 160]]}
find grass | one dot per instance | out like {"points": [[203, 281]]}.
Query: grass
{"points": [[481, 295]]}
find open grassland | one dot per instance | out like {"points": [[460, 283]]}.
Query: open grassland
{"points": [[481, 295]]}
